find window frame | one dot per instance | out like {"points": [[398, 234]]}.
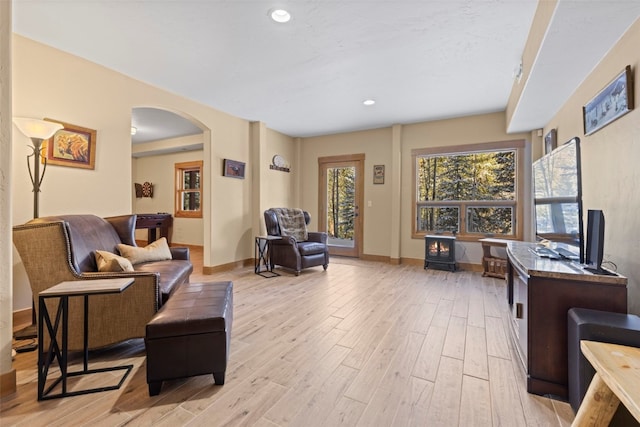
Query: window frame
{"points": [[462, 205], [180, 169]]}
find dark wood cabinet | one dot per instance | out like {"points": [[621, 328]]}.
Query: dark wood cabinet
{"points": [[540, 292]]}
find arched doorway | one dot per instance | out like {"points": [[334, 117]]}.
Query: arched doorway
{"points": [[162, 139]]}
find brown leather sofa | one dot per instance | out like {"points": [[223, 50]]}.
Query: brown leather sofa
{"points": [[289, 253], [62, 248]]}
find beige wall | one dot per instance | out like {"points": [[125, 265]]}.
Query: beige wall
{"points": [[452, 132], [159, 170], [279, 186], [377, 147], [77, 91], [610, 168]]}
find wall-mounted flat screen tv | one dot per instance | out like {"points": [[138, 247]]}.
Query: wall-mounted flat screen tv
{"points": [[557, 197]]}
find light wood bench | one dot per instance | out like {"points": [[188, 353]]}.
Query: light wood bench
{"points": [[617, 379], [493, 266]]}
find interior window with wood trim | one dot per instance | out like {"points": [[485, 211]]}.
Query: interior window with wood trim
{"points": [[188, 189], [470, 191]]}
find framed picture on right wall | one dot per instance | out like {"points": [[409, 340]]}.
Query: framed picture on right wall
{"points": [[550, 141], [611, 103]]}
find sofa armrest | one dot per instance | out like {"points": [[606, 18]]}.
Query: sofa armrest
{"points": [[180, 253]]}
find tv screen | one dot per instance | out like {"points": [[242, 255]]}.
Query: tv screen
{"points": [[558, 196]]}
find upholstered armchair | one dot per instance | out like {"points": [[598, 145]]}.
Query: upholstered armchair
{"points": [[291, 251]]}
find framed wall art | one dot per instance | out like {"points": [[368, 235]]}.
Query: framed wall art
{"points": [[611, 103], [378, 174], [73, 146], [550, 141], [233, 169]]}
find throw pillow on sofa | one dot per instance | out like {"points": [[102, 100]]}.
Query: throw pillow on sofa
{"points": [[156, 251], [109, 262]]}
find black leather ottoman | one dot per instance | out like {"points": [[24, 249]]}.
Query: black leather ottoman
{"points": [[190, 334], [603, 326]]}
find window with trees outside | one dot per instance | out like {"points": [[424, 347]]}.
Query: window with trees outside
{"points": [[471, 191], [188, 189]]}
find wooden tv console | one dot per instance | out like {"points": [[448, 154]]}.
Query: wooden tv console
{"points": [[540, 291]]}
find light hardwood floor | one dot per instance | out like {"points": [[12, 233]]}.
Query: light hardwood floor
{"points": [[363, 344]]}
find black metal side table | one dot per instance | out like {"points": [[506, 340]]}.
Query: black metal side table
{"points": [[262, 254], [58, 351]]}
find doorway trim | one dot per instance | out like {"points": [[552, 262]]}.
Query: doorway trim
{"points": [[358, 161]]}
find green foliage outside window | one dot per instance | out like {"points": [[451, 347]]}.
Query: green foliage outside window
{"points": [[467, 192]]}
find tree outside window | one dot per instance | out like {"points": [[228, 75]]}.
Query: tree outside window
{"points": [[469, 191], [188, 189]]}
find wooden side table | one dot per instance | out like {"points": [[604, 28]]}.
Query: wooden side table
{"points": [[493, 266], [58, 351]]}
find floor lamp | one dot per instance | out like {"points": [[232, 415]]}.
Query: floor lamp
{"points": [[38, 131]]}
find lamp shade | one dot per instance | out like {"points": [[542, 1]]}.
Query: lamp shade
{"points": [[34, 128]]}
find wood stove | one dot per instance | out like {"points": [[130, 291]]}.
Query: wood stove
{"points": [[440, 250]]}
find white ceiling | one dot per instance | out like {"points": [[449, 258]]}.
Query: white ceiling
{"points": [[419, 59]]}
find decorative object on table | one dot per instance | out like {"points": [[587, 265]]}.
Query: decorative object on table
{"points": [[38, 131], [550, 141], [611, 103], [378, 174], [138, 188], [233, 169], [147, 189], [279, 163], [73, 146]]}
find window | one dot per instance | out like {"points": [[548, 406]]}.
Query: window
{"points": [[188, 189], [473, 191]]}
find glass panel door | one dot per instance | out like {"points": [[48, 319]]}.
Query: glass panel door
{"points": [[341, 207], [341, 185]]}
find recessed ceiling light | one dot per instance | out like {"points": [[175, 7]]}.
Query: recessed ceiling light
{"points": [[368, 102], [280, 15]]}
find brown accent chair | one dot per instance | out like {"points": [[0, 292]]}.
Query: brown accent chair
{"points": [[61, 248], [289, 253]]}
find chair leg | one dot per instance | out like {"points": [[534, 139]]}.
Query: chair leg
{"points": [[325, 267], [218, 377], [154, 388]]}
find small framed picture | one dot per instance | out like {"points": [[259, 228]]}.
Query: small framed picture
{"points": [[233, 169], [550, 141], [378, 174], [72, 146]]}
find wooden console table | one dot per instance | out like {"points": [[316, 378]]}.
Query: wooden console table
{"points": [[153, 222], [540, 292], [617, 379]]}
